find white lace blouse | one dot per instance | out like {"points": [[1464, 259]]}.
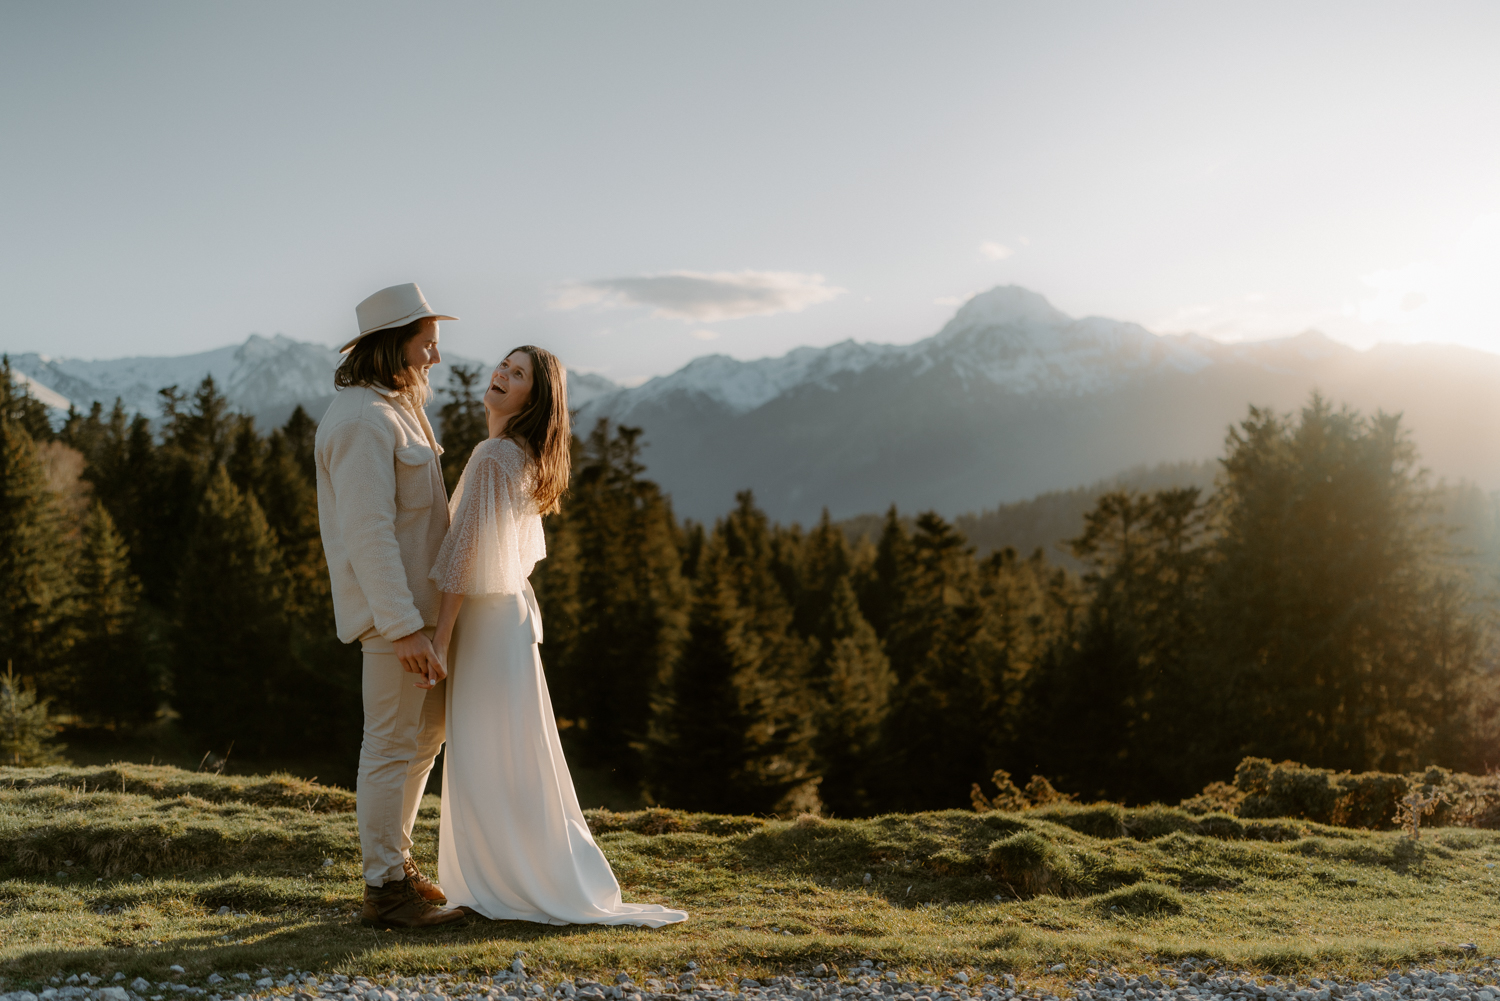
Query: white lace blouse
{"points": [[495, 537]]}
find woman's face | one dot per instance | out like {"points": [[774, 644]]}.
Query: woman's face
{"points": [[510, 385]]}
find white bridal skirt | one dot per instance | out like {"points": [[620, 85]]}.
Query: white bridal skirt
{"points": [[512, 842]]}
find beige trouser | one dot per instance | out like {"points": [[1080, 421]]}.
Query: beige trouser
{"points": [[403, 734]]}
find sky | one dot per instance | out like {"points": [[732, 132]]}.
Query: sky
{"points": [[634, 185]]}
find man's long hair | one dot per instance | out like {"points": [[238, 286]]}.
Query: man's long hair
{"points": [[379, 359], [543, 428]]}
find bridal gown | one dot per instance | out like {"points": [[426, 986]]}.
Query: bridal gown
{"points": [[512, 842]]}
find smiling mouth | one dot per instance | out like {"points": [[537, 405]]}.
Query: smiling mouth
{"points": [[496, 387]]}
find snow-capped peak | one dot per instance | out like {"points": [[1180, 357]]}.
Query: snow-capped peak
{"points": [[1008, 337]]}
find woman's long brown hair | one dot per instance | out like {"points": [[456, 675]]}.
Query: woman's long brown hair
{"points": [[544, 428]]}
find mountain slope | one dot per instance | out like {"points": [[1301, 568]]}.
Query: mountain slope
{"points": [[266, 377], [1013, 398]]}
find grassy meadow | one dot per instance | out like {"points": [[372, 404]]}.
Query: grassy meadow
{"points": [[128, 868]]}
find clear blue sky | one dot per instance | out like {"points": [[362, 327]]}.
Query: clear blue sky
{"points": [[634, 184]]}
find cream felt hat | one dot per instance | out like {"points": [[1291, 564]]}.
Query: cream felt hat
{"points": [[392, 307]]}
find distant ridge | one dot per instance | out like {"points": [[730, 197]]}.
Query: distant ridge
{"points": [[1012, 398], [266, 377]]}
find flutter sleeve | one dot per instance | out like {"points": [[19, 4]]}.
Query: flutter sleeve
{"points": [[495, 533]]}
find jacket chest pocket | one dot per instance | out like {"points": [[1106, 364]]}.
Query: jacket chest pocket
{"points": [[414, 477]]}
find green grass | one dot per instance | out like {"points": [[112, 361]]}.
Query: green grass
{"points": [[1100, 883]]}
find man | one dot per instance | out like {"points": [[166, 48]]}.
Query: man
{"points": [[383, 513]]}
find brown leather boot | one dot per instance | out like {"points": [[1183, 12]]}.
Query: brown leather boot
{"points": [[426, 887], [398, 905]]}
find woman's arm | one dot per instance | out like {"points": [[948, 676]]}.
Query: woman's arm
{"points": [[442, 636]]}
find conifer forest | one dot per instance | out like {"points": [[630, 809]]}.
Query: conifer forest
{"points": [[1313, 605]]}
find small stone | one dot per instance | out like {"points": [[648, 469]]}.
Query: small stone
{"points": [[118, 976], [72, 980], [265, 982], [214, 978], [140, 985], [223, 910], [327, 862], [242, 976], [821, 970], [113, 994], [176, 969], [960, 978], [1059, 968], [518, 967], [869, 879], [137, 876]]}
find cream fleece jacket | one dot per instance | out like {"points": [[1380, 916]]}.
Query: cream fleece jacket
{"points": [[383, 512]]}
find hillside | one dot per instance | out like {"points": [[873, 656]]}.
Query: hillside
{"points": [[131, 869]]}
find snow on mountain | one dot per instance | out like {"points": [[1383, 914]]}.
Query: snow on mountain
{"points": [[1012, 397], [264, 376], [262, 373], [1009, 338]]}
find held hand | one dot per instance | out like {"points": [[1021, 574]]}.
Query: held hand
{"points": [[431, 677], [418, 657]]}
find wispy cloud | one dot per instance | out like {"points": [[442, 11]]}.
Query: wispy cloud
{"points": [[704, 335], [992, 251], [703, 296]]}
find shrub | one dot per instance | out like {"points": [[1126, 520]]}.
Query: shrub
{"points": [[1009, 796], [1374, 800], [1144, 900], [1216, 797]]}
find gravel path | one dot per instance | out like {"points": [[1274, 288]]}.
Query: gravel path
{"points": [[1101, 982]]}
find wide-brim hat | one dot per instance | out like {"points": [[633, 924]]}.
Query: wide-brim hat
{"points": [[392, 307]]}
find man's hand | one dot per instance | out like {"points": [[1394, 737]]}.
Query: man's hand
{"points": [[418, 657]]}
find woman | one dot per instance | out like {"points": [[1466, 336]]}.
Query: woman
{"points": [[512, 842]]}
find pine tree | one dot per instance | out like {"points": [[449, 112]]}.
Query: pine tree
{"points": [[461, 420], [287, 494], [629, 614], [879, 585], [853, 681], [20, 408], [300, 433], [733, 731], [33, 556], [197, 436], [936, 732], [26, 726], [110, 676], [1120, 710], [234, 675], [824, 562], [1335, 620]]}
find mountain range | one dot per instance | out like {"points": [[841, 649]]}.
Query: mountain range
{"points": [[1010, 399], [267, 377], [1013, 398]]}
